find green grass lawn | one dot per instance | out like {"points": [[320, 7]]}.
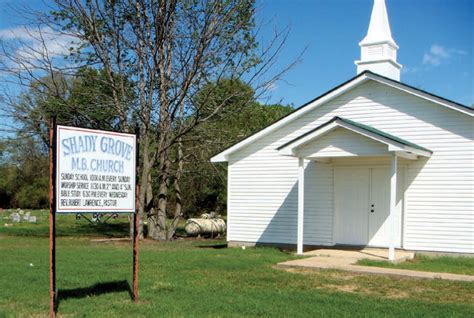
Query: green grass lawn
{"points": [[66, 225], [442, 264], [199, 278]]}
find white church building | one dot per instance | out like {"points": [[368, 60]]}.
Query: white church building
{"points": [[372, 162]]}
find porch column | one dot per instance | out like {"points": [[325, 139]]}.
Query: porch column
{"points": [[299, 245], [393, 202]]}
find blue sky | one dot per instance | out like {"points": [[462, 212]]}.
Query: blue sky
{"points": [[436, 39]]}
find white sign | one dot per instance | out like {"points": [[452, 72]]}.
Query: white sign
{"points": [[95, 171]]}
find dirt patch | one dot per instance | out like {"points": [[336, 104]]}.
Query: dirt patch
{"points": [[112, 240], [379, 289], [348, 282], [397, 294], [296, 270], [330, 273], [340, 275], [342, 288], [392, 293], [388, 287]]}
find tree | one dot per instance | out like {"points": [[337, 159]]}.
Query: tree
{"points": [[80, 100], [169, 50], [24, 181], [205, 183]]}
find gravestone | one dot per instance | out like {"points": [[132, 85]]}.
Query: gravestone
{"points": [[32, 219], [26, 217], [15, 217]]}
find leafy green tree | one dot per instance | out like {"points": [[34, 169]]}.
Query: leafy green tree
{"points": [[80, 100], [8, 177], [25, 176], [204, 183], [32, 175]]}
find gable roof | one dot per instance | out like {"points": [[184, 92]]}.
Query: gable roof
{"points": [[335, 92], [395, 143]]}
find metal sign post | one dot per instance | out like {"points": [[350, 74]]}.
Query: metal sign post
{"points": [[136, 219], [135, 254], [91, 171], [52, 218]]}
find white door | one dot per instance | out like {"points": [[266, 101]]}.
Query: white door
{"points": [[362, 206], [379, 206], [351, 191], [379, 227]]}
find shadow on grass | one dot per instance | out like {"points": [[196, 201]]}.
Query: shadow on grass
{"points": [[103, 229], [214, 246], [94, 290]]}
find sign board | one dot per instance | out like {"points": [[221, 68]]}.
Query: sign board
{"points": [[90, 171], [95, 171]]}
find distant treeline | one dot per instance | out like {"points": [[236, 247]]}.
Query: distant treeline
{"points": [[24, 167]]}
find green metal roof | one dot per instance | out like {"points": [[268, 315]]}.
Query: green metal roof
{"points": [[384, 134]]}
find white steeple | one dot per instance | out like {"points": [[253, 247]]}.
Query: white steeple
{"points": [[378, 49]]}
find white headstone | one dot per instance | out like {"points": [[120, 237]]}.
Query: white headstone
{"points": [[15, 217], [32, 219]]}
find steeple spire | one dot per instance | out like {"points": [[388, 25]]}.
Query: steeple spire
{"points": [[378, 49], [379, 27]]}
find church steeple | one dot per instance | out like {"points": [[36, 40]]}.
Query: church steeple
{"points": [[378, 49]]}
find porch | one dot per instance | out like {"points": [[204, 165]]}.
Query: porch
{"points": [[339, 139]]}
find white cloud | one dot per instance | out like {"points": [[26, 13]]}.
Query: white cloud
{"points": [[429, 59], [459, 52], [439, 54], [440, 51], [31, 45], [18, 33], [407, 69]]}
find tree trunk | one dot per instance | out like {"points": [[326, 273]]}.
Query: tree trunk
{"points": [[144, 197], [179, 206], [157, 223], [150, 203]]}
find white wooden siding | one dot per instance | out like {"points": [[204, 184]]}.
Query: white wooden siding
{"points": [[342, 143], [439, 197]]}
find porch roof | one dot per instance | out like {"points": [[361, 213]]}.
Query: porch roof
{"points": [[395, 144]]}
